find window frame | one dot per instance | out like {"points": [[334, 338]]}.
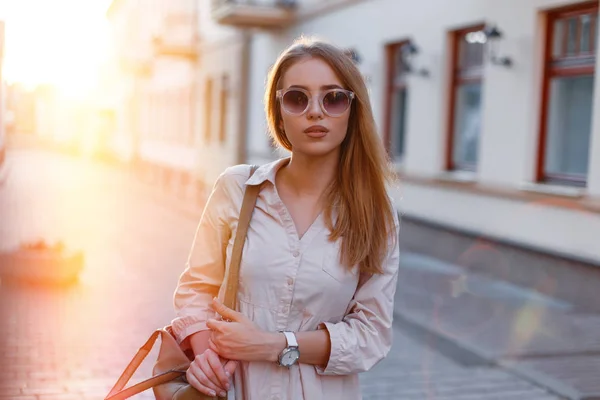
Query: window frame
{"points": [[391, 90], [223, 109], [191, 116], [208, 109], [459, 76], [550, 71]]}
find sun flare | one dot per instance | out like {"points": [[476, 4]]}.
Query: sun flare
{"points": [[62, 43]]}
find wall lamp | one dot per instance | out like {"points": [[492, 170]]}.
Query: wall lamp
{"points": [[354, 55], [408, 51], [493, 35]]}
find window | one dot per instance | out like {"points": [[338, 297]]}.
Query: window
{"points": [[223, 108], [465, 103], [176, 114], [191, 115], [207, 109], [396, 100], [567, 95], [186, 107]]}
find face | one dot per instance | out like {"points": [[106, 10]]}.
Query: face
{"points": [[315, 117]]}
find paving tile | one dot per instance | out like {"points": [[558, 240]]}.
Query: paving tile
{"points": [[480, 317], [579, 374]]}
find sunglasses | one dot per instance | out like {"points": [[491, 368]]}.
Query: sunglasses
{"points": [[333, 102]]}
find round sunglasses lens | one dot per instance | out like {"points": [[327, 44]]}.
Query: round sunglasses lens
{"points": [[295, 101], [336, 102]]}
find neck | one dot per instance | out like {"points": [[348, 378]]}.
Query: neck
{"points": [[311, 175]]}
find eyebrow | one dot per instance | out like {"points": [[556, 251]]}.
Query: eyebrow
{"points": [[324, 87]]}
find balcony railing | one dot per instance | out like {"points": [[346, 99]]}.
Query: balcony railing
{"points": [[176, 48], [254, 13], [178, 36]]}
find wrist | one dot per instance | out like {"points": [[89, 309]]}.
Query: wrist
{"points": [[275, 344], [198, 341]]}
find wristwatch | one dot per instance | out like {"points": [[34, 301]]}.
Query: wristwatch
{"points": [[290, 355]]}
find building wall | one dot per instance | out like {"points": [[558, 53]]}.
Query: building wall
{"points": [[131, 53], [155, 86], [222, 96], [510, 118], [265, 49], [167, 114]]}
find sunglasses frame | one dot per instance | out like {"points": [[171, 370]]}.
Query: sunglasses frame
{"points": [[282, 92]]}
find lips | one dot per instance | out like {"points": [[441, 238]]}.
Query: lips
{"points": [[316, 131]]}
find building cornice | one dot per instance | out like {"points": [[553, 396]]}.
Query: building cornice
{"points": [[322, 8]]}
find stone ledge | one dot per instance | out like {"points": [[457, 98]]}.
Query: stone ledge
{"points": [[549, 195]]}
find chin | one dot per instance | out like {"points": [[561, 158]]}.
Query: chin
{"points": [[317, 149]]}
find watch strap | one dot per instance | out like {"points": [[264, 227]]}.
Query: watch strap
{"points": [[291, 339]]}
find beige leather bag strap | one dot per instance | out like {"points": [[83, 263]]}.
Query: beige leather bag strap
{"points": [[147, 384], [233, 276], [117, 392]]}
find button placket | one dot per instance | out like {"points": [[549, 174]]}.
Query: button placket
{"points": [[296, 255], [285, 303]]}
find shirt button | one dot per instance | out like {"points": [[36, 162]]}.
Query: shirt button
{"points": [[290, 282], [296, 253]]}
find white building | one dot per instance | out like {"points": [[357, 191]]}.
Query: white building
{"points": [[223, 91], [153, 83], [495, 132]]}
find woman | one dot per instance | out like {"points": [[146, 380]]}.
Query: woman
{"points": [[320, 261]]}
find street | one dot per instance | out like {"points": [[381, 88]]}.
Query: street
{"points": [[73, 343]]}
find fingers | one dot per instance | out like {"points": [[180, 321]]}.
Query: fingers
{"points": [[214, 325], [212, 346], [209, 373], [219, 375], [220, 351], [199, 381], [226, 312], [230, 367]]}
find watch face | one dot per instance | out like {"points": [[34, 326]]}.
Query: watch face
{"points": [[290, 357]]}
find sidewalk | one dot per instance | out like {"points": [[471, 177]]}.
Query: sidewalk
{"points": [[488, 322]]}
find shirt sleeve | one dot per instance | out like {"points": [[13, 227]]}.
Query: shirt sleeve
{"points": [[205, 268], [364, 336]]}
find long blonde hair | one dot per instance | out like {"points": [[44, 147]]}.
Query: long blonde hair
{"points": [[365, 218]]}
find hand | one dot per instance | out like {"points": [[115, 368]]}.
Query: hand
{"points": [[209, 374], [239, 338]]}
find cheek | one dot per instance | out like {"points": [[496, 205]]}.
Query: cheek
{"points": [[341, 127], [290, 125]]}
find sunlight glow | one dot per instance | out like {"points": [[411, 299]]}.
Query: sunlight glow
{"points": [[62, 43]]}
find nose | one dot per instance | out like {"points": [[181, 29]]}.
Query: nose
{"points": [[314, 109]]}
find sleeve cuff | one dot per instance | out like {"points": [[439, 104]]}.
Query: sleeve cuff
{"points": [[184, 327], [337, 350]]}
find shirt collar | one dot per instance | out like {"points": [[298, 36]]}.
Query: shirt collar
{"points": [[267, 172]]}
